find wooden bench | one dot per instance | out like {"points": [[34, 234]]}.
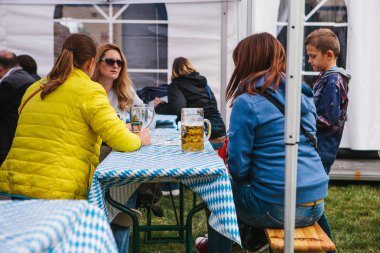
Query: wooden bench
{"points": [[306, 239]]}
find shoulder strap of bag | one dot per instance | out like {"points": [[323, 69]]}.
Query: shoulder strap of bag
{"points": [[281, 108], [30, 96]]}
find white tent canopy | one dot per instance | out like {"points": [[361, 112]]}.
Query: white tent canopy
{"points": [[206, 31]]}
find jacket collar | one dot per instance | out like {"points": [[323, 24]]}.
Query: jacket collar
{"points": [[80, 73]]}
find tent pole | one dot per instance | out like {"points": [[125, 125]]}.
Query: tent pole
{"points": [[292, 114], [249, 17], [223, 61]]}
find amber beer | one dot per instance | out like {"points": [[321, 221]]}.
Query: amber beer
{"points": [[192, 129], [192, 138]]}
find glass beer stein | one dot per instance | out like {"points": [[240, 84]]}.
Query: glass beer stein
{"points": [[192, 129], [142, 117]]}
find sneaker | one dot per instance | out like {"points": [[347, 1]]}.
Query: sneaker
{"points": [[174, 193], [253, 239], [124, 220], [157, 209], [201, 244]]}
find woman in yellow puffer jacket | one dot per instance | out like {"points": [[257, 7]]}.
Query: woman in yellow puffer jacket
{"points": [[63, 120]]}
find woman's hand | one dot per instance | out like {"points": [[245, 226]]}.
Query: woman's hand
{"points": [[144, 137], [157, 101]]}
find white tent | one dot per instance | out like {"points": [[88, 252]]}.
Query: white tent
{"points": [[206, 31]]}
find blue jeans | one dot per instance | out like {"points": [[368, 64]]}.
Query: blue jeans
{"points": [[121, 233], [257, 213]]}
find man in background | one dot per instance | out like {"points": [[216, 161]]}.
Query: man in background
{"points": [[28, 64], [13, 83]]}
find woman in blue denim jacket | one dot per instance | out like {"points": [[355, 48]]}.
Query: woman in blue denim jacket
{"points": [[256, 148]]}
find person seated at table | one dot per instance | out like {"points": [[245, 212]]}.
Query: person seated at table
{"points": [[63, 119], [190, 89], [256, 148], [28, 64], [112, 73]]}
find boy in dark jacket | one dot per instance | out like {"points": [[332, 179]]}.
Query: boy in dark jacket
{"points": [[330, 98], [330, 92]]}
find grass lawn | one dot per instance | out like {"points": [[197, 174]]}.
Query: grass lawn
{"points": [[353, 211]]}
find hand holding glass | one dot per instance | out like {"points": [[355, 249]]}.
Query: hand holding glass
{"points": [[141, 117]]}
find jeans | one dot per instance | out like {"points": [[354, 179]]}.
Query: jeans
{"points": [[257, 213], [327, 167], [121, 233]]}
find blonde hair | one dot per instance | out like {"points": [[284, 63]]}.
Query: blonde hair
{"points": [[76, 51], [181, 67], [122, 85]]}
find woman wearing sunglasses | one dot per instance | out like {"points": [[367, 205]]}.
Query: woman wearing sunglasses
{"points": [[111, 73]]}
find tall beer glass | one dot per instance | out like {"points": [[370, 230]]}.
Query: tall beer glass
{"points": [[142, 117], [193, 128]]}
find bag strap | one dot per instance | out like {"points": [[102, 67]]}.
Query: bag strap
{"points": [[281, 108], [30, 97]]}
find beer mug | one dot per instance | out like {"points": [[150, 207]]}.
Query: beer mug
{"points": [[142, 117], [192, 129]]}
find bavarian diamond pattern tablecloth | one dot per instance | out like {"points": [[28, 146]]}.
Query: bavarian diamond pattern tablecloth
{"points": [[203, 172], [54, 226]]}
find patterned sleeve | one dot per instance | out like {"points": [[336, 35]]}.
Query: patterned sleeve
{"points": [[328, 106]]}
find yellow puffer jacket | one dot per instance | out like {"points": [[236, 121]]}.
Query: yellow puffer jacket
{"points": [[57, 141]]}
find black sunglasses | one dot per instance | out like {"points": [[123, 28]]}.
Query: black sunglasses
{"points": [[110, 62]]}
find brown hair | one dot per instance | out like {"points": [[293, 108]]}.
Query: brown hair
{"points": [[324, 39], [76, 51], [122, 84], [255, 56], [181, 67]]}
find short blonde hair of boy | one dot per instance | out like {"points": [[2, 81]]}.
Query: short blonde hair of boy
{"points": [[324, 39]]}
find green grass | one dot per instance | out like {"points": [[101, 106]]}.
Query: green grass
{"points": [[353, 211], [354, 215]]}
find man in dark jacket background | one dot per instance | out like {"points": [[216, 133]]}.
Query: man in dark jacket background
{"points": [[13, 83], [28, 64]]}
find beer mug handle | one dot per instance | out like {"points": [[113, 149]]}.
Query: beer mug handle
{"points": [[208, 123], [151, 119]]}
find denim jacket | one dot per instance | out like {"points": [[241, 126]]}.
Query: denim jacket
{"points": [[256, 150]]}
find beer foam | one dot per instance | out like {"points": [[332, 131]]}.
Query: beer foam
{"points": [[192, 123]]}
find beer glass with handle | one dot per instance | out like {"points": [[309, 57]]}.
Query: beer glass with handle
{"points": [[192, 129], [142, 116]]}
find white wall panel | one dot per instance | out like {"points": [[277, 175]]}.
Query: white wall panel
{"points": [[195, 33], [362, 130], [28, 29]]}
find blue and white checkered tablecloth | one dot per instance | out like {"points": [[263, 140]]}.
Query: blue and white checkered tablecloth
{"points": [[54, 226], [203, 172]]}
